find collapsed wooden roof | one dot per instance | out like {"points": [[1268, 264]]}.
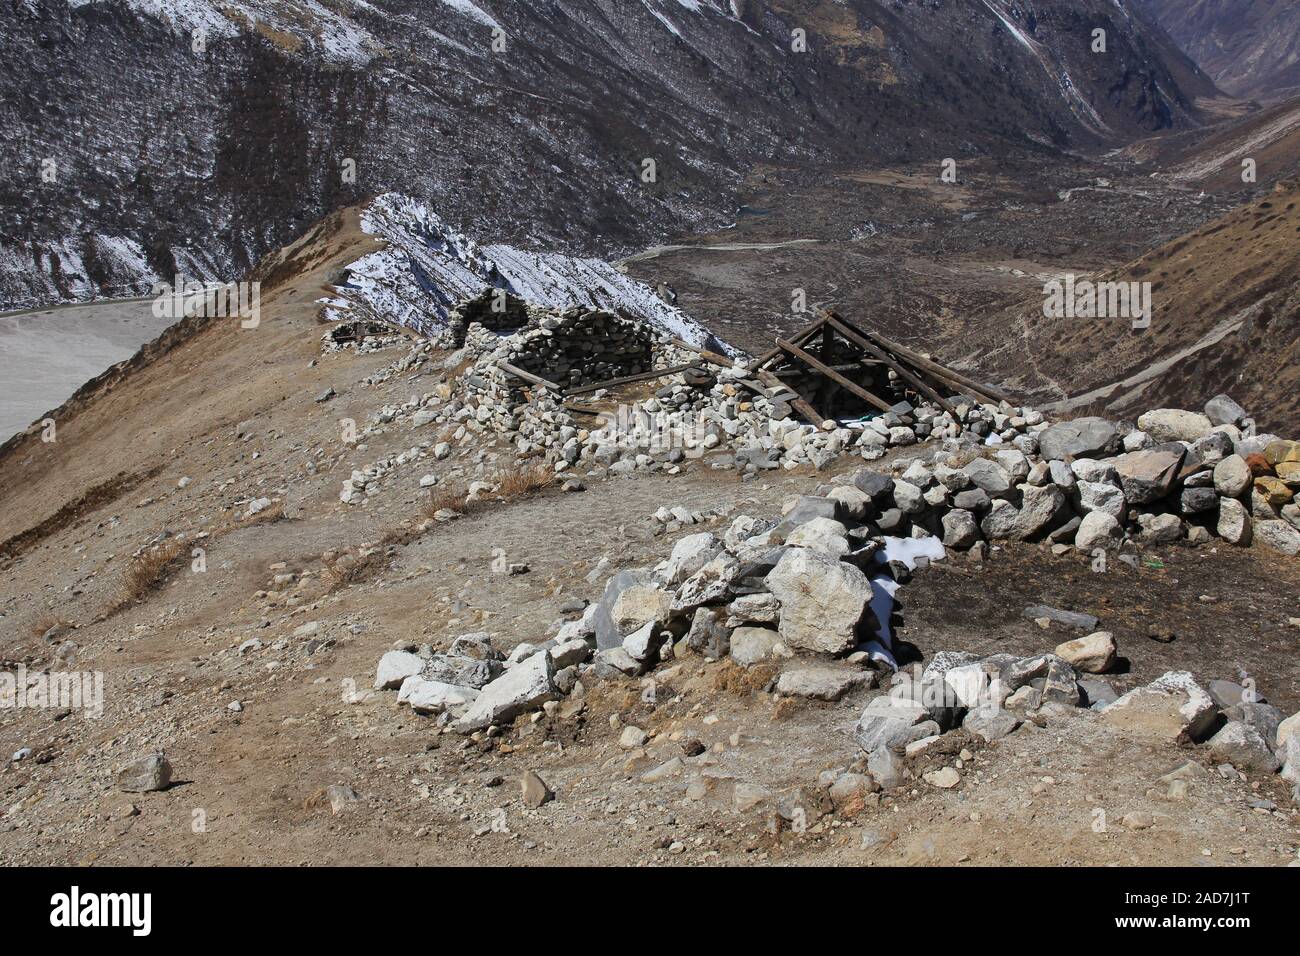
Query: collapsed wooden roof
{"points": [[832, 358], [814, 371]]}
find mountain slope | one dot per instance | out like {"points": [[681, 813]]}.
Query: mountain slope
{"points": [[144, 152], [1249, 47], [1226, 318]]}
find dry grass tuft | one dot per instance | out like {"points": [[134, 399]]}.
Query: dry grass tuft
{"points": [[50, 622], [352, 567], [147, 570], [446, 499], [525, 482]]}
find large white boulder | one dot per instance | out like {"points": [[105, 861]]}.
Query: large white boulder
{"points": [[822, 600], [525, 686]]}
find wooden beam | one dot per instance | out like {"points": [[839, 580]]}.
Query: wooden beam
{"points": [[833, 375], [528, 377], [904, 373], [798, 403], [627, 379], [712, 357], [803, 336], [958, 381], [582, 409]]}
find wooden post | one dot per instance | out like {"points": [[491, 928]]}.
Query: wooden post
{"points": [[803, 336], [908, 376], [834, 376], [528, 377]]}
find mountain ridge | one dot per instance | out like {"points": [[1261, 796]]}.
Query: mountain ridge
{"points": [[168, 160]]}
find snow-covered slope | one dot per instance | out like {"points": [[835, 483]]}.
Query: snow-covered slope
{"points": [[428, 268]]}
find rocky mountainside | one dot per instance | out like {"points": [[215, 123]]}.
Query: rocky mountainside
{"points": [[1226, 317], [162, 136], [1249, 47]]}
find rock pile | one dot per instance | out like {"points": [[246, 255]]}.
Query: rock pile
{"points": [[1091, 484], [810, 595]]}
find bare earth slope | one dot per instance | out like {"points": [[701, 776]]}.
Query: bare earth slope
{"points": [[1226, 319]]}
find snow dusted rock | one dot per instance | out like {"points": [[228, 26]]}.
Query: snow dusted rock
{"points": [[434, 696], [1241, 745], [1234, 522], [821, 534], [891, 723], [1080, 438], [820, 683], [1172, 707], [822, 600], [1278, 535], [1095, 496], [1094, 654], [1098, 530], [689, 555], [523, 687], [1174, 424], [426, 265], [395, 667]]}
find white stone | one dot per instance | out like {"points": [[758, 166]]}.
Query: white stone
{"points": [[394, 667], [822, 600]]}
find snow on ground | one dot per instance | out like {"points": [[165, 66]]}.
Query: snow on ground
{"points": [[471, 10], [326, 29], [428, 268]]}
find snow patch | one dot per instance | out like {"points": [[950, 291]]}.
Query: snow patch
{"points": [[429, 268], [474, 12]]}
